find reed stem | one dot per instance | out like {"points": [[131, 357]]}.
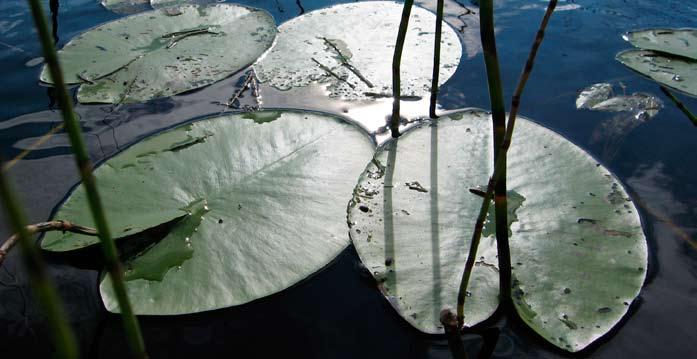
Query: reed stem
{"points": [[396, 66], [436, 59], [500, 169], [498, 115], [113, 266], [63, 337], [680, 106]]}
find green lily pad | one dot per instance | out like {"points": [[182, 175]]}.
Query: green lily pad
{"points": [[675, 72], [577, 246], [681, 42], [164, 52], [263, 199], [349, 48]]}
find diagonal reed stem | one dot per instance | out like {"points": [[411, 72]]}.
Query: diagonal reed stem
{"points": [[436, 59], [680, 106], [113, 266], [396, 67], [500, 166], [63, 337]]}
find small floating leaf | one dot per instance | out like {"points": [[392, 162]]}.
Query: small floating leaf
{"points": [[575, 249], [680, 42], [154, 54], [350, 48], [599, 97], [275, 195], [675, 72], [593, 94]]}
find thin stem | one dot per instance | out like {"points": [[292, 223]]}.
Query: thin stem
{"points": [[396, 66], [500, 166], [113, 266], [332, 73], [346, 63], [55, 225], [9, 164], [436, 58], [680, 106], [498, 115], [63, 337], [247, 82], [449, 321]]}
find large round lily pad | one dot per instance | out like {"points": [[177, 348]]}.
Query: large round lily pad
{"points": [[259, 202], [578, 249], [675, 72], [350, 48], [164, 52], [681, 42]]}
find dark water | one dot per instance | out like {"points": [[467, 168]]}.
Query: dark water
{"points": [[338, 312]]}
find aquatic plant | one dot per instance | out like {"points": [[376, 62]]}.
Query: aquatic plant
{"points": [[111, 260], [250, 204], [667, 56]]}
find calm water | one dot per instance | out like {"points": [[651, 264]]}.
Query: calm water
{"points": [[337, 312]]}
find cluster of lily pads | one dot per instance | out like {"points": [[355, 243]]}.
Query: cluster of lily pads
{"points": [[256, 202], [667, 56]]}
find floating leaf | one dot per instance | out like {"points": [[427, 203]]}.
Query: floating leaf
{"points": [[642, 105], [266, 193], [593, 94], [577, 246], [163, 53], [674, 72], [681, 42], [350, 48]]}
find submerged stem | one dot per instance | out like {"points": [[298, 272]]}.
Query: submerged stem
{"points": [[63, 337], [436, 58], [396, 67], [500, 169], [112, 263], [55, 225]]}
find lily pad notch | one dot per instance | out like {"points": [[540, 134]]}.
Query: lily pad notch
{"points": [[578, 251], [262, 197]]}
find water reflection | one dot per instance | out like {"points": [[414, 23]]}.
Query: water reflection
{"points": [[632, 111]]}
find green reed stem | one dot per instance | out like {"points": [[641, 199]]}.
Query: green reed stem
{"points": [[436, 59], [63, 337], [112, 263], [680, 105], [498, 115], [500, 169], [396, 66]]}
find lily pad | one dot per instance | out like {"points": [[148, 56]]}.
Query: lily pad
{"points": [[681, 42], [162, 53], [577, 246], [349, 47], [675, 72], [262, 198]]}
